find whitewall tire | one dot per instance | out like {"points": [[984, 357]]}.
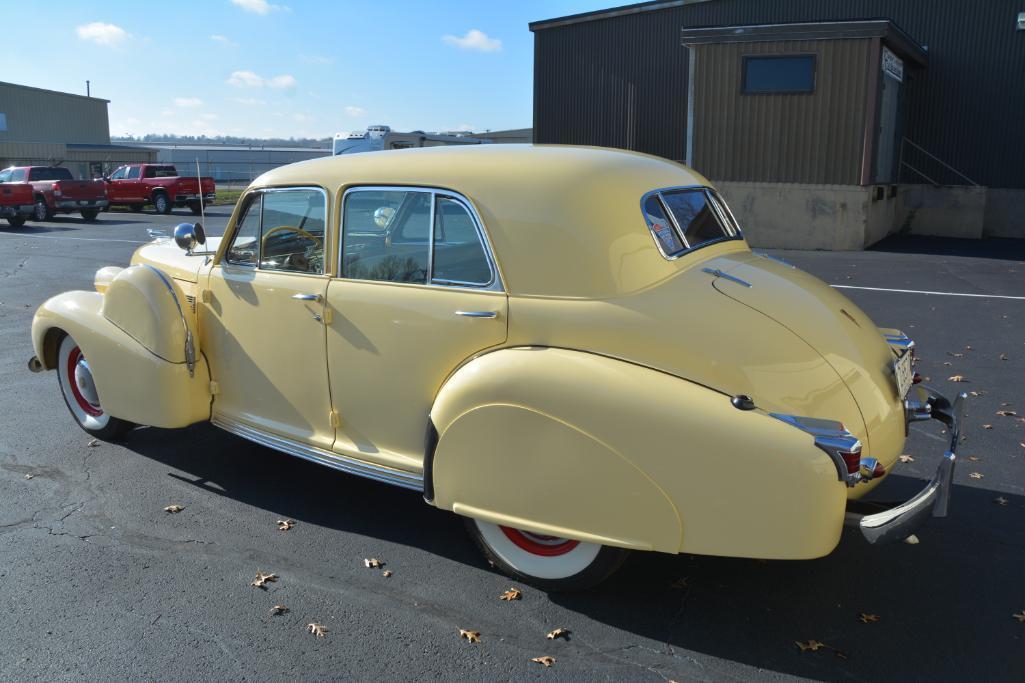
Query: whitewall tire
{"points": [[79, 391]]}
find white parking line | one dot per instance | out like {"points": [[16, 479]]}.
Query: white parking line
{"points": [[919, 291], [80, 239]]}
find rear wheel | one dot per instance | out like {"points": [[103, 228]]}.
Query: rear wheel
{"points": [[90, 214], [79, 390], [41, 211], [161, 204], [196, 207], [16, 221], [547, 562]]}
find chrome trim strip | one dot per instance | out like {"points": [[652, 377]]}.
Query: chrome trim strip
{"points": [[190, 346], [336, 461], [478, 314], [776, 258], [718, 273], [730, 227]]}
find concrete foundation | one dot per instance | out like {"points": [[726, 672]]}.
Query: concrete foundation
{"points": [[942, 211], [1005, 213]]}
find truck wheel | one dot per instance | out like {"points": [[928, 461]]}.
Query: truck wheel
{"points": [[79, 390], [42, 211], [196, 207], [16, 221], [90, 214], [161, 204], [135, 207], [549, 563]]}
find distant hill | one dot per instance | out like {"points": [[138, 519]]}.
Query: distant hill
{"points": [[224, 140]]}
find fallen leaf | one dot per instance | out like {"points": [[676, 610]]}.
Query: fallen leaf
{"points": [[373, 563], [1020, 616], [976, 393], [955, 355], [868, 618], [911, 540], [472, 636], [967, 348], [285, 524], [262, 580], [558, 633], [1020, 444], [1004, 404], [1006, 413], [278, 609], [987, 426], [947, 362], [976, 475], [812, 645], [1000, 500], [174, 509], [1003, 356], [511, 594], [974, 458], [957, 378], [680, 583], [906, 458], [317, 629], [546, 661], [29, 476], [386, 573], [94, 443]]}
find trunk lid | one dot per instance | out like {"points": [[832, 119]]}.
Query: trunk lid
{"points": [[81, 189]]}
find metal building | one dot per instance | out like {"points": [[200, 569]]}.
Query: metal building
{"points": [[45, 127], [828, 124], [229, 165]]}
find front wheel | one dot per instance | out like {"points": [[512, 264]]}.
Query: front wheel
{"points": [[547, 562], [41, 211], [16, 221], [79, 390], [161, 203]]}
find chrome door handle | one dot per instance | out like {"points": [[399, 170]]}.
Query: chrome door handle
{"points": [[307, 297], [478, 314]]}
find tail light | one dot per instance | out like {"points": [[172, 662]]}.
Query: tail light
{"points": [[834, 440], [56, 190]]}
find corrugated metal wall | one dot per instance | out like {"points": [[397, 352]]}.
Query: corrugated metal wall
{"points": [[967, 108], [35, 115], [814, 138]]}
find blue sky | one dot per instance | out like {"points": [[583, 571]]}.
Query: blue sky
{"points": [[288, 68]]}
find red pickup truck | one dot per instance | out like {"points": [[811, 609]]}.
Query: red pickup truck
{"points": [[160, 185], [16, 202], [56, 191]]}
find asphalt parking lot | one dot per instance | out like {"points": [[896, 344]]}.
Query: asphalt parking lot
{"points": [[99, 583]]}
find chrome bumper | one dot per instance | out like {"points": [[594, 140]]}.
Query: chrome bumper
{"points": [[881, 523], [81, 203]]}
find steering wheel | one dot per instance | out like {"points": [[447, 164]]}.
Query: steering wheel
{"points": [[289, 228]]}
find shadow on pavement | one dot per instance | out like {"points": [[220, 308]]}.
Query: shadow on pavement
{"points": [[991, 248]]}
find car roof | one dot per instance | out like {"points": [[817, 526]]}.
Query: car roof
{"points": [[562, 220]]}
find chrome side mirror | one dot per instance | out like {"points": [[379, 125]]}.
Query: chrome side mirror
{"points": [[189, 235]]}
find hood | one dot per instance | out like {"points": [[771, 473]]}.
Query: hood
{"points": [[163, 254], [838, 330]]}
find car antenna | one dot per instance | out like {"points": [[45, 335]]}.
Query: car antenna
{"points": [[202, 199]]}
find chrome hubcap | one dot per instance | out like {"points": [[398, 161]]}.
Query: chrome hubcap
{"points": [[85, 384]]}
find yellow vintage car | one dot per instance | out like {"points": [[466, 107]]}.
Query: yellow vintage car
{"points": [[572, 348]]}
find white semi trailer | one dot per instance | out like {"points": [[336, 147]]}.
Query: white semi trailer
{"points": [[383, 137]]}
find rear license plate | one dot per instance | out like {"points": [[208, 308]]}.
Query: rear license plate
{"points": [[903, 374]]}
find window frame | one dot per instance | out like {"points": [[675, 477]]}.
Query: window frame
{"points": [[245, 200], [721, 211], [814, 73], [494, 284]]}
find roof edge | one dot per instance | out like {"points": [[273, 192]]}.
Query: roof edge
{"points": [[638, 8], [53, 92]]}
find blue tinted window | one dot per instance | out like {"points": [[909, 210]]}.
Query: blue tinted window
{"points": [[772, 74]]}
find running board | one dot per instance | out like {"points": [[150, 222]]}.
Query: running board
{"points": [[406, 480]]}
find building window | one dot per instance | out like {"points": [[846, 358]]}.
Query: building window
{"points": [[779, 74]]}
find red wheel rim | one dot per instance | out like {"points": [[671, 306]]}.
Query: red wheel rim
{"points": [[88, 408], [537, 544]]}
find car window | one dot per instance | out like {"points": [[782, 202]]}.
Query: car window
{"points": [[292, 237], [45, 173], [160, 172], [118, 174], [386, 235], [459, 255], [5, 175], [686, 219], [661, 227], [18, 175], [133, 172], [245, 245]]}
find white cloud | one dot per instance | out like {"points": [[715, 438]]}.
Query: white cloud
{"points": [[103, 34], [248, 79], [352, 110], [188, 102], [259, 6], [474, 40], [223, 40]]}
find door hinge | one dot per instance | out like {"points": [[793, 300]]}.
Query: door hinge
{"points": [[215, 388], [336, 419], [327, 315]]}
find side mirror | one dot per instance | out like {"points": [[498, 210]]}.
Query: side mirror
{"points": [[189, 235]]}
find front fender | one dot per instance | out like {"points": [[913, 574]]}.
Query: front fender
{"points": [[133, 383], [572, 444]]}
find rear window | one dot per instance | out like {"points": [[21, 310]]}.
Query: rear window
{"points": [[685, 219], [56, 173], [161, 172]]}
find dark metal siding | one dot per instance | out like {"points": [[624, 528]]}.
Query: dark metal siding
{"points": [[814, 138], [966, 108]]}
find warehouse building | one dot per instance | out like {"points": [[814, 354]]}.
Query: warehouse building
{"points": [[229, 165], [45, 127], [827, 124]]}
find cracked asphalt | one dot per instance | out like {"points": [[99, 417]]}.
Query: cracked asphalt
{"points": [[97, 582]]}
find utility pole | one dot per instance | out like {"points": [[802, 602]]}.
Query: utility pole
{"points": [[87, 89]]}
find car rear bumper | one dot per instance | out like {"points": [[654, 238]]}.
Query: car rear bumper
{"points": [[208, 197], [16, 209], [881, 522], [76, 204]]}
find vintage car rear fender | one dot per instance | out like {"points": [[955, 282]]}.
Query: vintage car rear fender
{"points": [[577, 445], [133, 383]]}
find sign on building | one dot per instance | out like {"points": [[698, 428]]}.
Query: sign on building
{"points": [[893, 65]]}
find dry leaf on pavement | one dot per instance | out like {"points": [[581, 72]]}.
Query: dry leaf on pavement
{"points": [[911, 540], [511, 594], [545, 661], [317, 629], [1000, 500], [285, 524], [1006, 413], [94, 443], [868, 618], [976, 475], [906, 458], [174, 509], [955, 355], [957, 378], [472, 636], [987, 426], [1020, 616], [1003, 356], [386, 573], [278, 609], [812, 645], [373, 562], [558, 633], [262, 580], [974, 458], [29, 476]]}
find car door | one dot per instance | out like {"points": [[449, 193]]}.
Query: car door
{"points": [[262, 328], [115, 192], [132, 188], [418, 293]]}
